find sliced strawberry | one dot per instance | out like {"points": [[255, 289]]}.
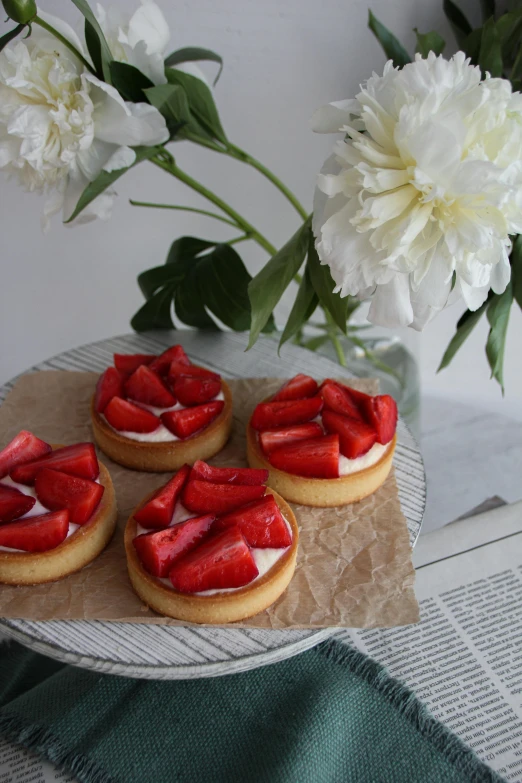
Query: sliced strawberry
{"points": [[355, 437], [13, 504], [195, 391], [268, 415], [184, 423], [261, 522], [273, 439], [158, 511], [127, 417], [297, 388], [159, 550], [56, 491], [23, 448], [127, 363], [245, 476], [144, 385], [36, 534], [206, 498], [77, 460], [381, 413], [315, 458], [174, 354], [220, 562], [178, 369], [110, 384], [337, 399]]}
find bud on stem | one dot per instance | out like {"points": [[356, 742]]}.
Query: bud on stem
{"points": [[21, 11]]}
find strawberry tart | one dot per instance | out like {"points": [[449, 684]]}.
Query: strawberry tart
{"points": [[213, 545], [156, 413], [57, 509], [325, 445]]}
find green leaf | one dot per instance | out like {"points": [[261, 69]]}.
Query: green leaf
{"points": [[498, 317], [223, 282], [195, 54], [490, 55], [105, 52], [471, 45], [324, 286], [94, 48], [201, 102], [393, 49], [509, 28], [156, 313], [5, 39], [488, 9], [130, 82], [429, 42], [465, 326], [106, 178], [316, 342], [171, 101], [305, 303], [459, 24], [516, 269], [153, 279], [205, 279], [189, 306], [268, 286]]}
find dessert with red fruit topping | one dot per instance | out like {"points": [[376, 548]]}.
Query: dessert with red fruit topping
{"points": [[325, 445], [57, 509], [213, 545], [156, 413]]}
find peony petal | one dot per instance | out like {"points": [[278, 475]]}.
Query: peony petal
{"points": [[391, 305], [149, 25], [64, 29], [122, 158], [333, 117]]}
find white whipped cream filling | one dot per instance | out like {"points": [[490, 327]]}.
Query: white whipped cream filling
{"points": [[347, 466], [161, 434], [264, 559], [36, 510]]}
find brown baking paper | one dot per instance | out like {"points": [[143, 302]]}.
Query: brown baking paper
{"points": [[354, 564]]}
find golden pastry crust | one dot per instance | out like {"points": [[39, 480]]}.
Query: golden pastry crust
{"points": [[322, 493], [79, 549], [221, 607], [170, 455]]}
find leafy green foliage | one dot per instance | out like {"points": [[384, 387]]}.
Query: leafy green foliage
{"points": [[393, 49], [516, 270], [94, 48], [465, 326], [498, 316], [195, 54], [201, 279], [10, 36], [490, 53], [429, 42], [459, 24], [106, 178], [304, 306], [324, 285], [105, 56], [171, 101], [269, 285], [206, 122], [130, 82]]}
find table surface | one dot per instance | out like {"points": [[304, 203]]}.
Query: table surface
{"points": [[159, 652]]}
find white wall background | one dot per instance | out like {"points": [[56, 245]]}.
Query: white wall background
{"points": [[283, 58]]}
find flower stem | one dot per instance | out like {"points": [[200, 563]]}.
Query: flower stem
{"points": [[65, 42], [341, 358], [183, 209], [240, 154], [239, 220]]}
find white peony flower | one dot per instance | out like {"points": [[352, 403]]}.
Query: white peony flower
{"points": [[415, 205], [141, 39], [61, 126]]}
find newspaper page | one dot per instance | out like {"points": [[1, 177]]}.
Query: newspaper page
{"points": [[464, 659]]}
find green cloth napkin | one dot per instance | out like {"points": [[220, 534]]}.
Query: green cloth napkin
{"points": [[329, 715]]}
